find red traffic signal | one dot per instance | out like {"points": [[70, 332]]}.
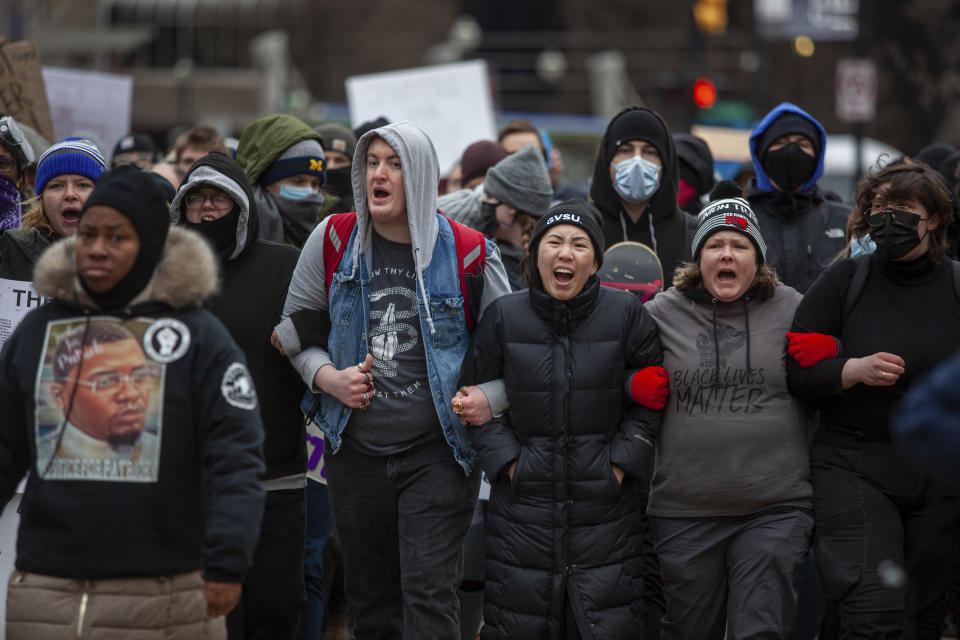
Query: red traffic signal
{"points": [[704, 93]]}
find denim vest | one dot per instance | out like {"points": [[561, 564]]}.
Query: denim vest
{"points": [[445, 348]]}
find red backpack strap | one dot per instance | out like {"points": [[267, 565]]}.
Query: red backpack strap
{"points": [[471, 262], [339, 228]]}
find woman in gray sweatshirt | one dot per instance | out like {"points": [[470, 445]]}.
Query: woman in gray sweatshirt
{"points": [[730, 498]]}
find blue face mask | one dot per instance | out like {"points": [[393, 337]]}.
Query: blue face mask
{"points": [[862, 246], [636, 180], [296, 193]]}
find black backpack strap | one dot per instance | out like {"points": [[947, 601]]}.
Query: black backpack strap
{"points": [[860, 274], [955, 269]]}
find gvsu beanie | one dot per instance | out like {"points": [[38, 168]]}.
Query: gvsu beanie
{"points": [[578, 213]]}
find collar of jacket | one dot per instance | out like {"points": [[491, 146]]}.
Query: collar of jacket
{"points": [[564, 315], [186, 274]]}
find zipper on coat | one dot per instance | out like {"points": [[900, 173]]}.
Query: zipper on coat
{"points": [[83, 608]]}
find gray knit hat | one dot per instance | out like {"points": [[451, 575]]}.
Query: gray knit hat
{"points": [[727, 211], [521, 181]]}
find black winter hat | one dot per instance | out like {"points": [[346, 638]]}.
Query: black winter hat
{"points": [[136, 195], [785, 125], [695, 161], [638, 124], [578, 213]]}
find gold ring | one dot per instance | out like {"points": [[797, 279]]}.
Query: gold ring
{"points": [[463, 390], [360, 367]]}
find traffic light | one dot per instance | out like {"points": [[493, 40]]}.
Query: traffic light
{"points": [[710, 16], [704, 93]]}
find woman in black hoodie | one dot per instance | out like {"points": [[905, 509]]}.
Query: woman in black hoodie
{"points": [[635, 188]]}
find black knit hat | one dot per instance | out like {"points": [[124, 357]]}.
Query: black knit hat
{"points": [[136, 195], [785, 125], [728, 211], [638, 124], [578, 213]]}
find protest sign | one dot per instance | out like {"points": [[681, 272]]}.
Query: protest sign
{"points": [[451, 102], [17, 299], [22, 92], [90, 104]]}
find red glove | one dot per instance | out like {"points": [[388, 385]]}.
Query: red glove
{"points": [[810, 348], [650, 387]]}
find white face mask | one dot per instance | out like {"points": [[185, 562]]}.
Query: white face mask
{"points": [[296, 193], [636, 179]]}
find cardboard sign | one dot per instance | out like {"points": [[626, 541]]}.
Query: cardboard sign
{"points": [[451, 102], [22, 92]]}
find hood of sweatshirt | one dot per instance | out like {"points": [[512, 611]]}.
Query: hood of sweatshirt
{"points": [[421, 175], [264, 140], [602, 193], [757, 137], [222, 172]]}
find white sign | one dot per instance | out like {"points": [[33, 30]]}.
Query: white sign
{"points": [[17, 299], [451, 102], [89, 104], [856, 90]]}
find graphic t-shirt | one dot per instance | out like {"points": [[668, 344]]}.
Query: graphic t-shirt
{"points": [[401, 414]]}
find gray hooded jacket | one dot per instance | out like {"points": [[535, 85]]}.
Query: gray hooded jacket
{"points": [[421, 175]]}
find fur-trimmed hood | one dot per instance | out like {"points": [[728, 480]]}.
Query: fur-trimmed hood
{"points": [[186, 274]]}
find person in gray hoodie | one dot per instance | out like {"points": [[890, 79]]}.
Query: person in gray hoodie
{"points": [[401, 470], [730, 498]]}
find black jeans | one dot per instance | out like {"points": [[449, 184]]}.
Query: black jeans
{"points": [[273, 592], [886, 538], [402, 521]]}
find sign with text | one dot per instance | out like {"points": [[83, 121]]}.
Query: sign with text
{"points": [[22, 92], [17, 299], [451, 102], [90, 104]]}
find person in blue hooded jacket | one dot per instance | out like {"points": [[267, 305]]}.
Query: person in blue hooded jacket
{"points": [[803, 228]]}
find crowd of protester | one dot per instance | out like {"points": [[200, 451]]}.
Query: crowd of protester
{"points": [[283, 387]]}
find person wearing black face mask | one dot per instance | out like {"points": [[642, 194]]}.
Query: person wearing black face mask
{"points": [[215, 200], [338, 146], [804, 228], [872, 504]]}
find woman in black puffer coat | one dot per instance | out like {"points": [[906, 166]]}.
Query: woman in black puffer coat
{"points": [[569, 461]]}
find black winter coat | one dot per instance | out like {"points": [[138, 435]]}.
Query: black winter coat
{"points": [[564, 527], [804, 232], [249, 303]]}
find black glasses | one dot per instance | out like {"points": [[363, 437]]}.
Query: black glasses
{"points": [[219, 201], [900, 216]]}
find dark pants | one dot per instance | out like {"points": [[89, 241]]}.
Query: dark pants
{"points": [[402, 521], [318, 528], [273, 592], [886, 538], [744, 568]]}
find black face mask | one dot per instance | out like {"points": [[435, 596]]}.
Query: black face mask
{"points": [[789, 166], [339, 182], [488, 218], [895, 232], [222, 232]]}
